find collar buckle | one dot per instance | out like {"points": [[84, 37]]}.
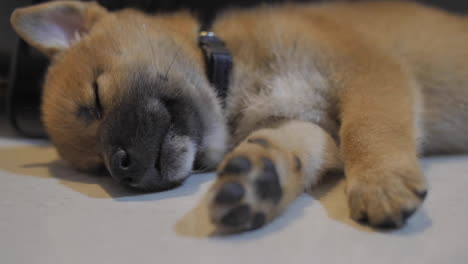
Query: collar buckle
{"points": [[218, 61]]}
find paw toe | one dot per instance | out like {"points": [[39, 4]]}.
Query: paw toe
{"points": [[387, 223], [422, 195], [362, 218], [408, 213]]}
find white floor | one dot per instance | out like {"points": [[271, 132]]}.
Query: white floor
{"points": [[52, 214]]}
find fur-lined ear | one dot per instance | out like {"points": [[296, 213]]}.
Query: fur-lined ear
{"points": [[53, 26]]}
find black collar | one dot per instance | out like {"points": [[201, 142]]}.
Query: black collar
{"points": [[218, 61]]}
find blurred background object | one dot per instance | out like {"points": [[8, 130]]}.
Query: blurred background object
{"points": [[22, 68]]}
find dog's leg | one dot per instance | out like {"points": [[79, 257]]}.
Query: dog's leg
{"points": [[379, 148], [267, 171]]}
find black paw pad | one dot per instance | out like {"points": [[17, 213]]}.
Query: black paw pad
{"points": [[259, 141], [422, 195], [237, 165], [237, 216], [387, 223], [268, 185], [258, 220], [230, 193]]}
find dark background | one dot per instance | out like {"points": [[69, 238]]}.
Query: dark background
{"points": [[22, 68]]}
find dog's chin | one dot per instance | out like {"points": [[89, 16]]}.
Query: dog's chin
{"points": [[175, 164]]}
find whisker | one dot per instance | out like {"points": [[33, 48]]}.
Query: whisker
{"points": [[200, 170], [153, 53], [172, 63]]}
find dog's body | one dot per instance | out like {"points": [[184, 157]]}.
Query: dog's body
{"points": [[361, 87]]}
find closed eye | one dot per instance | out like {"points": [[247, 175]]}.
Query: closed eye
{"points": [[97, 100], [93, 112]]}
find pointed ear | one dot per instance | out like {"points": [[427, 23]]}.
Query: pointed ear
{"points": [[53, 26]]}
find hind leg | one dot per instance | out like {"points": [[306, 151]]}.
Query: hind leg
{"points": [[267, 171]]}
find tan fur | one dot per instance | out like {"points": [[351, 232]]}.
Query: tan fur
{"points": [[382, 80]]}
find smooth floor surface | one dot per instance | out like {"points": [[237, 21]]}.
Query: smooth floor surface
{"points": [[51, 214]]}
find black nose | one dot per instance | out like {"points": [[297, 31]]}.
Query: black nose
{"points": [[121, 167]]}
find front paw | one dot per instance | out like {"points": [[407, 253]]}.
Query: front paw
{"points": [[248, 191], [385, 198]]}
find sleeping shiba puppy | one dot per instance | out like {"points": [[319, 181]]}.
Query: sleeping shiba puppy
{"points": [[359, 87]]}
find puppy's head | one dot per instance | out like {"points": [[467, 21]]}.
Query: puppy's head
{"points": [[125, 90]]}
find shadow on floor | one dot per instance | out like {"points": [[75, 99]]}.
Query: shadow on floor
{"points": [[330, 193], [196, 222], [42, 161]]}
